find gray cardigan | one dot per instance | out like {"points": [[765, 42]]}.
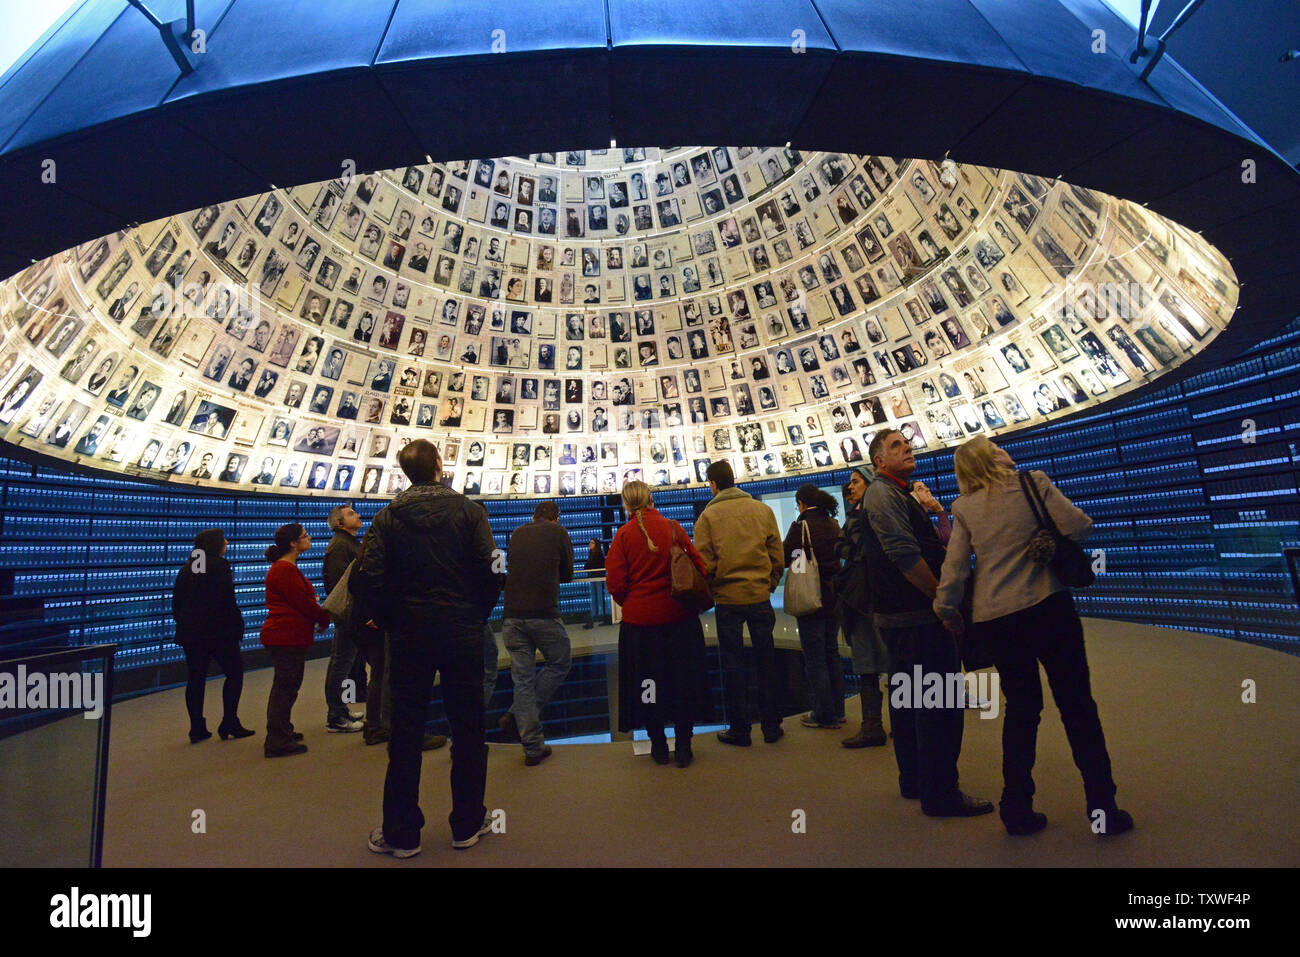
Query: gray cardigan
{"points": [[995, 524]]}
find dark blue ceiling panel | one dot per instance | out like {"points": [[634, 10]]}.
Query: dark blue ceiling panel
{"points": [[1203, 202], [1052, 125], [515, 111], [694, 95], [303, 131], [891, 28], [262, 42], [83, 99], [1164, 157], [765, 24], [1050, 40], [675, 78], [110, 169], [1235, 50], [422, 30], [27, 86], [43, 210], [1253, 243], [554, 96], [893, 105]]}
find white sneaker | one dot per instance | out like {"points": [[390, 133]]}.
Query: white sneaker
{"points": [[344, 725], [377, 844], [470, 841]]}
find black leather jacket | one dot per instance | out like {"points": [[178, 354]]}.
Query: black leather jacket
{"points": [[428, 564]]}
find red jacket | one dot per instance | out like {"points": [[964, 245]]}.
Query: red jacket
{"points": [[641, 580], [291, 608]]}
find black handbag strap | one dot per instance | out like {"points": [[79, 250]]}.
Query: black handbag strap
{"points": [[1036, 505]]}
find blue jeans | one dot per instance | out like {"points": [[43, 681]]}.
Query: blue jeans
{"points": [[489, 665], [343, 654], [819, 638], [927, 741], [731, 620], [524, 637]]}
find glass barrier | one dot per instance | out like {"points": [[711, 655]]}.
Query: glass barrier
{"points": [[54, 724]]}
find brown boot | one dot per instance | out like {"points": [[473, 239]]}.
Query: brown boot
{"points": [[872, 732]]}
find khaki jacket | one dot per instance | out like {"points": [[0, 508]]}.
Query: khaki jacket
{"points": [[741, 546]]}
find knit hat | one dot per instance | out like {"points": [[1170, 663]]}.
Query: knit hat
{"points": [[867, 472]]}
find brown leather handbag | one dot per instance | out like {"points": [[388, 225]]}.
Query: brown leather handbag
{"points": [[688, 585]]}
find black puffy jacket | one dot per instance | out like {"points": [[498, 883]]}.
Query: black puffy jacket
{"points": [[429, 563]]}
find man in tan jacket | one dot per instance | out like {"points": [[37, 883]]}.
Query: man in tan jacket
{"points": [[741, 546]]}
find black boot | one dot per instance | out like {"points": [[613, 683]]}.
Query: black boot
{"points": [[199, 732], [658, 745], [684, 754], [231, 728]]}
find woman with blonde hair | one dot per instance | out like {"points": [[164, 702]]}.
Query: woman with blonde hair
{"points": [[660, 643], [1027, 615]]}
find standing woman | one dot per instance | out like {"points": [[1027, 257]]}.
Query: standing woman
{"points": [[815, 531], [660, 639], [209, 626], [1027, 615], [291, 611], [870, 659]]}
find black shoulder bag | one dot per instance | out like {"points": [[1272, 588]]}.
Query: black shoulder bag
{"points": [[1048, 546]]}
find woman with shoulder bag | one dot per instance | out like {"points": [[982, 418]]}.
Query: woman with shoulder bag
{"points": [[210, 627], [853, 591], [662, 670], [1026, 614], [815, 534]]}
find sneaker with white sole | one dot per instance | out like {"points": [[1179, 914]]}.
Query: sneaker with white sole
{"points": [[470, 841], [344, 726], [377, 844]]}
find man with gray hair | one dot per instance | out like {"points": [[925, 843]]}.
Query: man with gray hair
{"points": [[339, 554]]}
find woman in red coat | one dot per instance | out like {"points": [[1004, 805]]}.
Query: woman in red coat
{"points": [[661, 671], [292, 611]]}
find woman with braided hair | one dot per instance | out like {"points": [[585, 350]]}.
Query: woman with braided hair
{"points": [[662, 671]]}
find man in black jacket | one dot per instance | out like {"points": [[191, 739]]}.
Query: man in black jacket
{"points": [[904, 558], [430, 575]]}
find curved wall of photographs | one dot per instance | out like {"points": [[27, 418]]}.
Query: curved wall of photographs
{"points": [[563, 322]]}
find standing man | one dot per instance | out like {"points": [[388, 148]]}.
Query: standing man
{"points": [[428, 571], [541, 557], [339, 553], [595, 564], [904, 557], [743, 556]]}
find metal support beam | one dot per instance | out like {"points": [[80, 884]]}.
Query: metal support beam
{"points": [[177, 36]]}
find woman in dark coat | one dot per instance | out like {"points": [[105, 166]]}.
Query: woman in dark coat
{"points": [[870, 659], [816, 531], [209, 626], [662, 673]]}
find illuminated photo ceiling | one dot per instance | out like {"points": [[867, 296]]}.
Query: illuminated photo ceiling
{"points": [[562, 323]]}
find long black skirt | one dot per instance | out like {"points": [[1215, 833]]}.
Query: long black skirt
{"points": [[662, 675]]}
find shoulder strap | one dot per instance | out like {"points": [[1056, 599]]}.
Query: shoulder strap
{"points": [[806, 540], [1036, 505]]}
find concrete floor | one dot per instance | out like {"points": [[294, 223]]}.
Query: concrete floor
{"points": [[1210, 780]]}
